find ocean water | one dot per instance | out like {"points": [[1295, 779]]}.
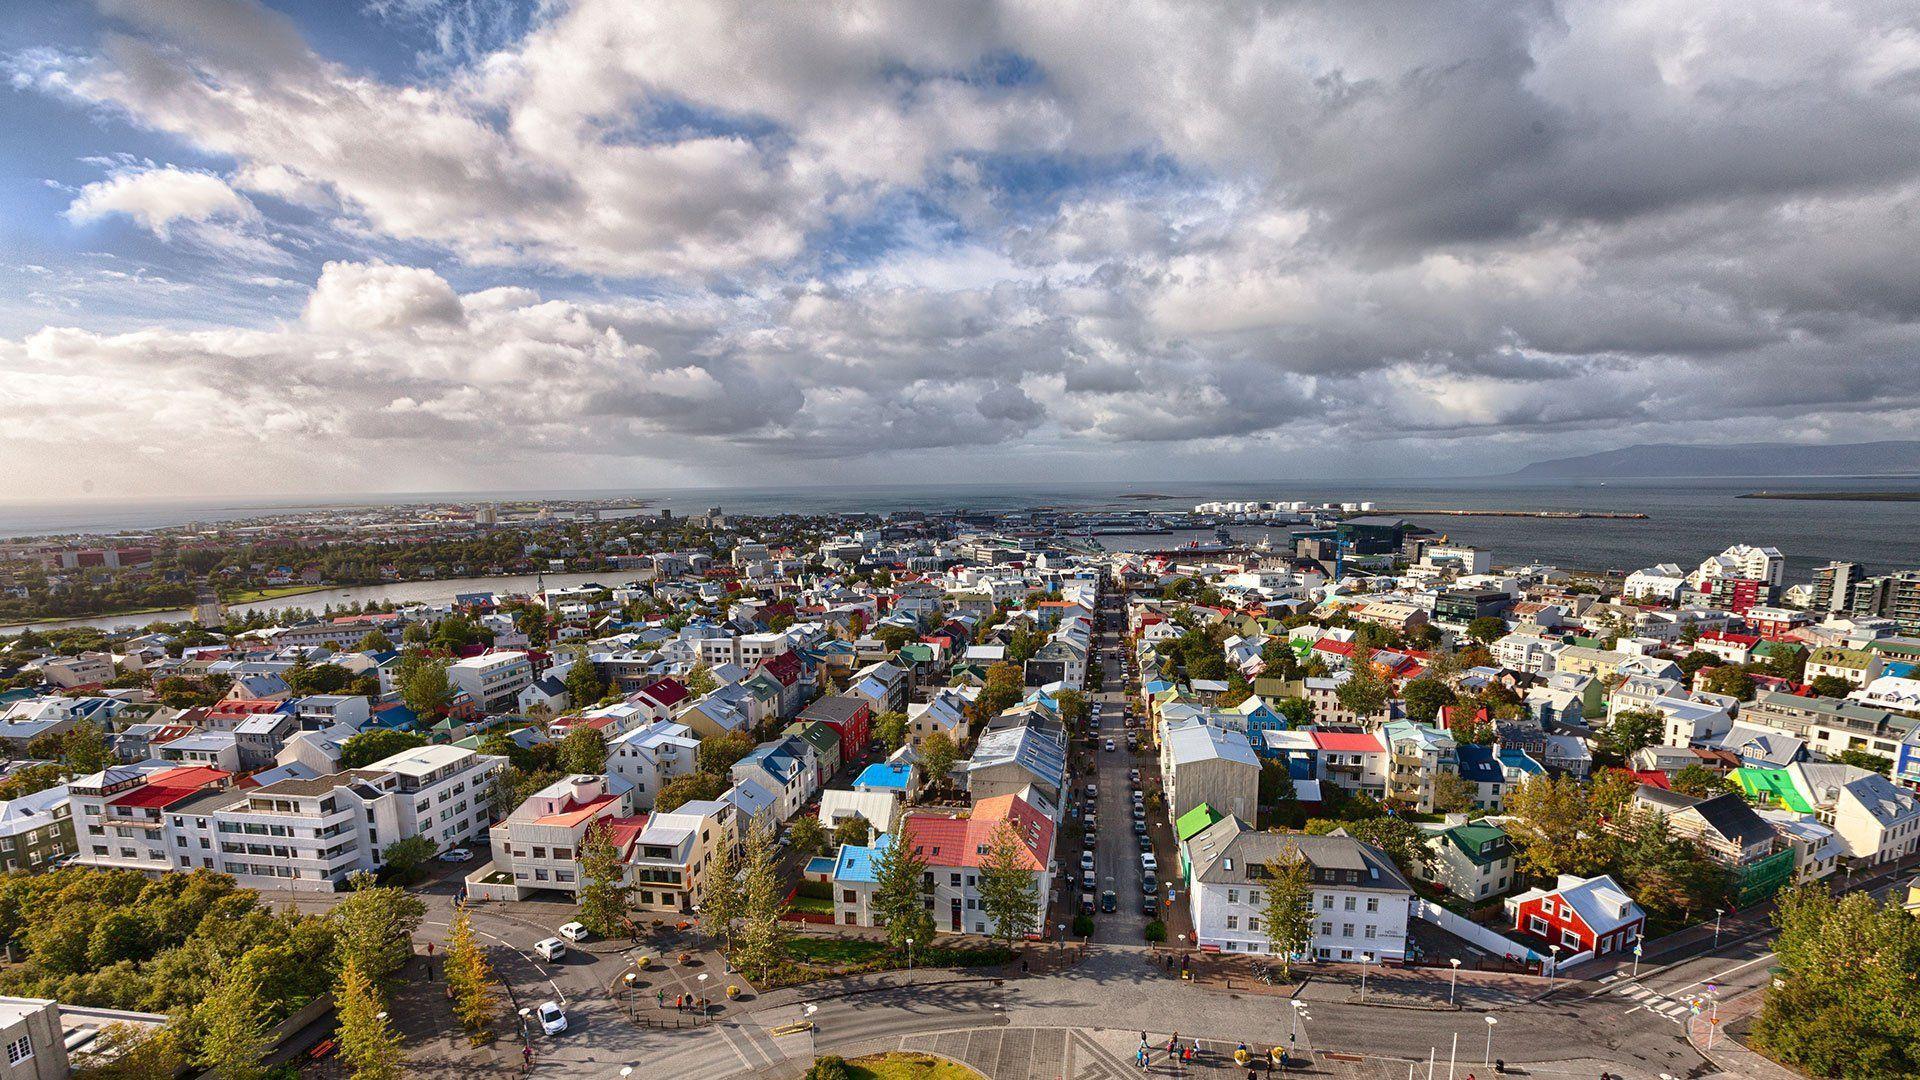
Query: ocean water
{"points": [[1687, 520]]}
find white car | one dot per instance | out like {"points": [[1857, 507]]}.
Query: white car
{"points": [[1148, 862], [1086, 860], [553, 1018], [457, 854], [574, 931], [550, 949]]}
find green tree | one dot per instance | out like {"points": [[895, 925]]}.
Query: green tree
{"points": [[1073, 708], [1286, 908], [1425, 697], [1863, 759], [894, 636], [1007, 890], [1831, 686], [688, 788], [890, 728], [370, 746], [1487, 629], [1701, 782], [1005, 686], [763, 929], [369, 1045], [375, 927], [470, 975], [807, 835], [899, 895], [937, 757], [1845, 1002], [1401, 839], [584, 685], [1298, 712], [1630, 731], [852, 829], [723, 902], [1364, 693], [583, 751], [603, 894], [1787, 662], [374, 641], [405, 856], [1554, 826], [700, 681], [130, 1052], [233, 1035], [1453, 794], [1731, 681], [86, 750], [427, 691], [718, 753]]}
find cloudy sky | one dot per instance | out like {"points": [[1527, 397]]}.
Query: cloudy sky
{"points": [[378, 245]]}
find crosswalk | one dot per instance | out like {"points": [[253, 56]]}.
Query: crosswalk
{"points": [[1648, 998]]}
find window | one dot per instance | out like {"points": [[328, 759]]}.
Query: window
{"points": [[1326, 929], [1346, 929], [1327, 902], [1233, 896], [1233, 922], [19, 1050], [1538, 925], [1546, 905], [1253, 897], [1570, 939], [1373, 903], [1370, 931], [1253, 924], [1349, 903]]}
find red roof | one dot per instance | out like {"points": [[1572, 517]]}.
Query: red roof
{"points": [[232, 707], [784, 667], [163, 789], [668, 692], [625, 830], [1748, 640], [1347, 742], [965, 841], [575, 813]]}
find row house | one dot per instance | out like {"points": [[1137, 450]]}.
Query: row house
{"points": [[851, 716], [784, 767], [1353, 761]]}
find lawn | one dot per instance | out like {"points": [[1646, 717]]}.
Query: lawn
{"points": [[252, 596], [813, 905], [908, 1067], [825, 950]]}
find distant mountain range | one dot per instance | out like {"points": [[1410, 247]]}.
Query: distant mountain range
{"points": [[1891, 458]]}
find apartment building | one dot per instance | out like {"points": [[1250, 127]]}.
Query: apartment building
{"points": [[448, 790], [36, 830], [1360, 901], [669, 855], [955, 846], [649, 756], [120, 816], [494, 680], [537, 847]]}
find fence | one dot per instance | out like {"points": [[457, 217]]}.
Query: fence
{"points": [[1510, 952]]}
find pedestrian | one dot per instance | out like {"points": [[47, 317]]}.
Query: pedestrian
{"points": [[429, 950], [660, 998], [1023, 965]]}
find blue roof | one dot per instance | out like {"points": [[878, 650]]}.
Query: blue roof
{"points": [[1157, 686], [1514, 758], [886, 775], [857, 863], [1477, 764]]}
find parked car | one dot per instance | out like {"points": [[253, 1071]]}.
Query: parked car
{"points": [[574, 931], [1149, 907], [1133, 776], [1087, 881], [1109, 745], [553, 1018], [1093, 791], [456, 854], [1146, 842], [1086, 903], [550, 949], [1108, 901], [1140, 827], [1147, 862], [1149, 885], [1086, 860], [1139, 812]]}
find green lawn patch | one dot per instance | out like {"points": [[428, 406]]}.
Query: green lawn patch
{"points": [[901, 1066]]}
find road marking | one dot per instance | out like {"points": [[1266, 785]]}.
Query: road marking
{"points": [[1722, 975]]}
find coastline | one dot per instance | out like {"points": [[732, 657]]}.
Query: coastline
{"points": [[1834, 496]]}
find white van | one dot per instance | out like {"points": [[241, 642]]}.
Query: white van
{"points": [[551, 949]]}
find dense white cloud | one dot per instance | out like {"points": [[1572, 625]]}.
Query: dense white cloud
{"points": [[848, 230], [157, 198]]}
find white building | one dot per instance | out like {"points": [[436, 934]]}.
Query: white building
{"points": [[449, 791], [494, 679], [537, 847], [647, 757], [1661, 582], [1360, 902], [1743, 561]]}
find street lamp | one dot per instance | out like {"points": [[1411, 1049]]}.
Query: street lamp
{"points": [[1717, 912], [1489, 1060], [1455, 980], [909, 961], [1299, 1015], [1555, 970], [1365, 959]]}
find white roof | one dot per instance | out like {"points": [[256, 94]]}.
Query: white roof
{"points": [[423, 759], [1203, 743]]}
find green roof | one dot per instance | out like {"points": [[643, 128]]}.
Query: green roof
{"points": [[1770, 648], [918, 652], [1771, 786], [1195, 820], [1473, 836]]}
